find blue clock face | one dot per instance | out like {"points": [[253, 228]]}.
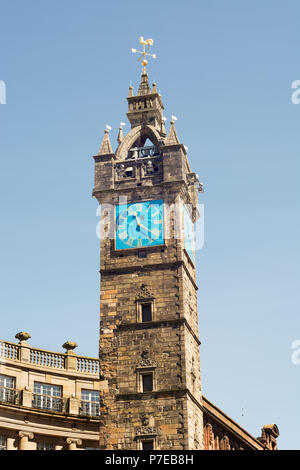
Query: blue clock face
{"points": [[189, 235], [139, 225]]}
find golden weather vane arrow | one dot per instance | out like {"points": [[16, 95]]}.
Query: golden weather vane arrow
{"points": [[146, 43]]}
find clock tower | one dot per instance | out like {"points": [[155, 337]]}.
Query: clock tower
{"points": [[149, 342]]}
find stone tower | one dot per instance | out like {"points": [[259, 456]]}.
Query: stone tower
{"points": [[149, 344]]}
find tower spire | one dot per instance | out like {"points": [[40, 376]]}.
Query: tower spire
{"points": [[120, 134], [105, 147], [172, 138], [144, 88]]}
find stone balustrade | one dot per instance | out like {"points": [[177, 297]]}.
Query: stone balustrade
{"points": [[68, 361]]}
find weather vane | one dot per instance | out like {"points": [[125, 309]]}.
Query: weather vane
{"points": [[146, 43]]}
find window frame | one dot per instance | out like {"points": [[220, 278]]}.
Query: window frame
{"points": [[142, 439], [47, 398], [139, 310], [91, 404], [142, 372], [3, 442], [7, 389]]}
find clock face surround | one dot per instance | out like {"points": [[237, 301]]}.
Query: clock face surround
{"points": [[139, 225], [189, 235]]}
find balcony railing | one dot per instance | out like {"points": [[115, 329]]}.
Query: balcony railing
{"points": [[9, 350], [8, 395], [89, 408], [88, 365], [47, 402], [42, 358], [48, 359]]}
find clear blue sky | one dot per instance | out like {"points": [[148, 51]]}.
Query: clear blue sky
{"points": [[225, 70]]}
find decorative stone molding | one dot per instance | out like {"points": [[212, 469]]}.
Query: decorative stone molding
{"points": [[146, 429], [144, 293], [24, 437], [22, 336], [28, 434], [146, 361], [225, 443], [71, 359], [24, 355], [269, 435], [70, 346], [72, 443]]}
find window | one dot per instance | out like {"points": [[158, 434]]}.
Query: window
{"points": [[7, 389], [2, 443], [147, 382], [90, 403], [129, 172], [44, 446], [147, 445], [146, 312], [47, 397]]}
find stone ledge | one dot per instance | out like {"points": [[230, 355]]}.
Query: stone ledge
{"points": [[157, 394], [157, 324]]}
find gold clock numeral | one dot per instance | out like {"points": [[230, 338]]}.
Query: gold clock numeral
{"points": [[154, 214], [122, 235], [139, 207], [139, 243], [131, 211], [130, 241], [155, 232]]}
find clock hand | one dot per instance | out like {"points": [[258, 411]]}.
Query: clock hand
{"points": [[141, 225]]}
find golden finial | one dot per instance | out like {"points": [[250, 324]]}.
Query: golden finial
{"points": [[146, 43]]}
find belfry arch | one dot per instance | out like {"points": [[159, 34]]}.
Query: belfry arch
{"points": [[137, 137]]}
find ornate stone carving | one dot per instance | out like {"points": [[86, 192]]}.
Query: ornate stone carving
{"points": [[73, 443], [71, 440], [23, 336], [144, 293], [28, 435], [146, 361], [70, 345], [146, 429]]}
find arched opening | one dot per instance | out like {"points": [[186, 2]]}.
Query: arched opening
{"points": [[143, 147], [137, 141]]}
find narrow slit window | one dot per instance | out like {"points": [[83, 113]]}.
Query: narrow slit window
{"points": [[146, 312], [147, 381]]}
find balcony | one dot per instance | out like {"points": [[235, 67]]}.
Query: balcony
{"points": [[50, 403], [89, 408], [39, 358], [9, 395], [43, 397]]}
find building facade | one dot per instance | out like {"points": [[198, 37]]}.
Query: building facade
{"points": [[51, 401], [48, 400]]}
